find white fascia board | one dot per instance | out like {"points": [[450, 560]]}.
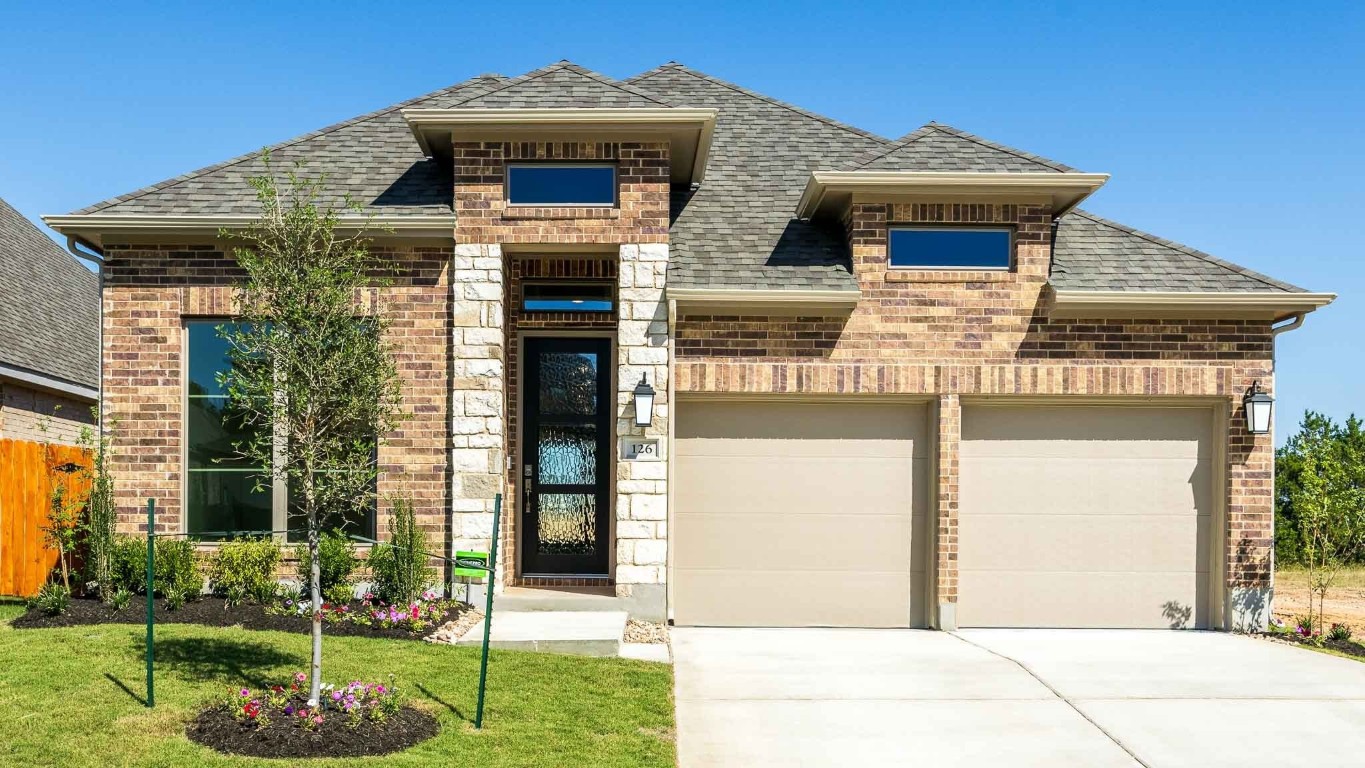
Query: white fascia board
{"points": [[743, 296], [198, 223], [41, 381], [1278, 304], [1066, 189]]}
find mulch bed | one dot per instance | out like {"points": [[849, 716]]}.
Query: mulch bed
{"points": [[284, 737], [214, 612], [1349, 647]]}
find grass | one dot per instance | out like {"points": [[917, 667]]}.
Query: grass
{"points": [[73, 697], [1296, 576]]}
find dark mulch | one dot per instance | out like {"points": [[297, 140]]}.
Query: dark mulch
{"points": [[1348, 647], [284, 737], [214, 612]]}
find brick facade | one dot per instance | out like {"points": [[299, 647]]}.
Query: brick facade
{"points": [[947, 335], [151, 289], [39, 416]]}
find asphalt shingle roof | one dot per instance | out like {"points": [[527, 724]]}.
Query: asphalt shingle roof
{"points": [[736, 230], [49, 305]]}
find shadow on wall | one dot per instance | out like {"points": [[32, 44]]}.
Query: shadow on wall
{"points": [[1177, 613]]}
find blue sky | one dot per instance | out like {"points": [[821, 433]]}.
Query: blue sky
{"points": [[1238, 133]]}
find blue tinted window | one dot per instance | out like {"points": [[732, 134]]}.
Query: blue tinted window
{"points": [[950, 248], [567, 297], [561, 185]]}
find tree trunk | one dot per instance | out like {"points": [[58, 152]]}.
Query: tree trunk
{"points": [[315, 595]]}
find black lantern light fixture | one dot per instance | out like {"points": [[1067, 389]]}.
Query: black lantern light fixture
{"points": [[1258, 406], [644, 402]]}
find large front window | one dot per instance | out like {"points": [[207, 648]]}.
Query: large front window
{"points": [[225, 492]]}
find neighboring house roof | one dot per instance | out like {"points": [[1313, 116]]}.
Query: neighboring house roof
{"points": [[49, 309], [736, 230]]}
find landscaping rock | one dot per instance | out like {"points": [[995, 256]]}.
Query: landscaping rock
{"points": [[451, 631], [645, 632]]}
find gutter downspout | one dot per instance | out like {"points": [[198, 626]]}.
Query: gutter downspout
{"points": [[668, 466], [1276, 330], [96, 256]]}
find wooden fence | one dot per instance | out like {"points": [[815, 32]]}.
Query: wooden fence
{"points": [[28, 474]]}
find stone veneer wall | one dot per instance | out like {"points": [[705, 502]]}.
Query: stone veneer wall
{"points": [[637, 230], [947, 335], [39, 416], [150, 289]]}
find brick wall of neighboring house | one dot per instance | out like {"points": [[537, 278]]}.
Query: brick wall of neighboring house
{"points": [[946, 335], [40, 416], [634, 231], [151, 289]]}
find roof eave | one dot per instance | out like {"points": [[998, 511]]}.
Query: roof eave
{"points": [[690, 127], [1065, 190], [1074, 304], [93, 227], [716, 297], [44, 381]]}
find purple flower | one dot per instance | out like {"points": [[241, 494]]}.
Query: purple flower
{"points": [[336, 696], [245, 692], [289, 710]]}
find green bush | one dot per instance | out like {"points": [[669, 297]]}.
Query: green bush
{"points": [[120, 599], [128, 564], [1339, 633], [52, 599], [399, 565], [244, 569], [177, 566], [336, 563]]}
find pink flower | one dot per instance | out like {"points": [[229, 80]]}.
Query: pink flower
{"points": [[317, 720], [300, 677], [245, 692]]}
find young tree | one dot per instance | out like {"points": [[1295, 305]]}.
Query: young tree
{"points": [[312, 376], [1327, 503]]}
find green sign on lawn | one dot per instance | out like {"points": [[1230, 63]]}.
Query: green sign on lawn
{"points": [[473, 564]]}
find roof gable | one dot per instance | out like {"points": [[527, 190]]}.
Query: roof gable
{"points": [[49, 305], [562, 85], [938, 147]]}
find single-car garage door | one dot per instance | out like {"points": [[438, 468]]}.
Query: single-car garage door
{"points": [[1081, 516], [799, 514]]}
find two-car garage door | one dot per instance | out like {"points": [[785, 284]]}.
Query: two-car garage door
{"points": [[815, 513]]}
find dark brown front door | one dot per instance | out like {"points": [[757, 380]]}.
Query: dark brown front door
{"points": [[566, 459]]}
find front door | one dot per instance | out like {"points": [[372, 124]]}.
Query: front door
{"points": [[567, 409]]}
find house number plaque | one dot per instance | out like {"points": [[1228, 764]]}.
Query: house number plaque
{"points": [[639, 449]]}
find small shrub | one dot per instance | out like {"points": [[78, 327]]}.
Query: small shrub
{"points": [[1339, 633], [52, 599], [120, 599], [336, 563], [128, 564], [177, 569], [175, 598], [244, 569], [399, 565], [338, 594]]}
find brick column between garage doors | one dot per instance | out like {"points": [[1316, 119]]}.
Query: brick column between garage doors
{"points": [[949, 441]]}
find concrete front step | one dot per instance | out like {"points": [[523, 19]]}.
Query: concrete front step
{"points": [[586, 633], [556, 599]]}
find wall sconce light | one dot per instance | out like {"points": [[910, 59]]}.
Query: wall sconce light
{"points": [[1258, 406], [644, 402]]}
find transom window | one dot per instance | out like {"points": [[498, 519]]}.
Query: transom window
{"points": [[221, 492], [950, 247], [567, 297], [569, 184]]}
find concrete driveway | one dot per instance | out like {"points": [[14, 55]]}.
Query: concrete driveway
{"points": [[820, 697]]}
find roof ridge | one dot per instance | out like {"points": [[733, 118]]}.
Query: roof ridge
{"points": [[961, 134], [1187, 250], [761, 97], [873, 155], [613, 82], [168, 183]]}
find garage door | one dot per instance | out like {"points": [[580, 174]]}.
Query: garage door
{"points": [[1085, 516], [799, 514]]}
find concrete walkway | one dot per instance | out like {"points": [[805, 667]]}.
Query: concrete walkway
{"points": [[818, 697]]}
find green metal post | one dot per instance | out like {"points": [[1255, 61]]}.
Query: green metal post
{"points": [[151, 588], [488, 608]]}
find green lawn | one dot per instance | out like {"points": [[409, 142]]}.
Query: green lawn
{"points": [[72, 697]]}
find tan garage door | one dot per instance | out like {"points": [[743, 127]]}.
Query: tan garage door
{"points": [[799, 514], [1085, 516]]}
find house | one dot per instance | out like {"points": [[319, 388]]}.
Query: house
{"points": [[49, 336], [743, 364]]}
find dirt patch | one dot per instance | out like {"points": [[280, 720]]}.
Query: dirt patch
{"points": [[214, 612], [645, 632], [1345, 603], [336, 737]]}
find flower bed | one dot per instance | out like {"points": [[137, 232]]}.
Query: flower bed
{"points": [[352, 619], [355, 720], [1337, 638]]}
